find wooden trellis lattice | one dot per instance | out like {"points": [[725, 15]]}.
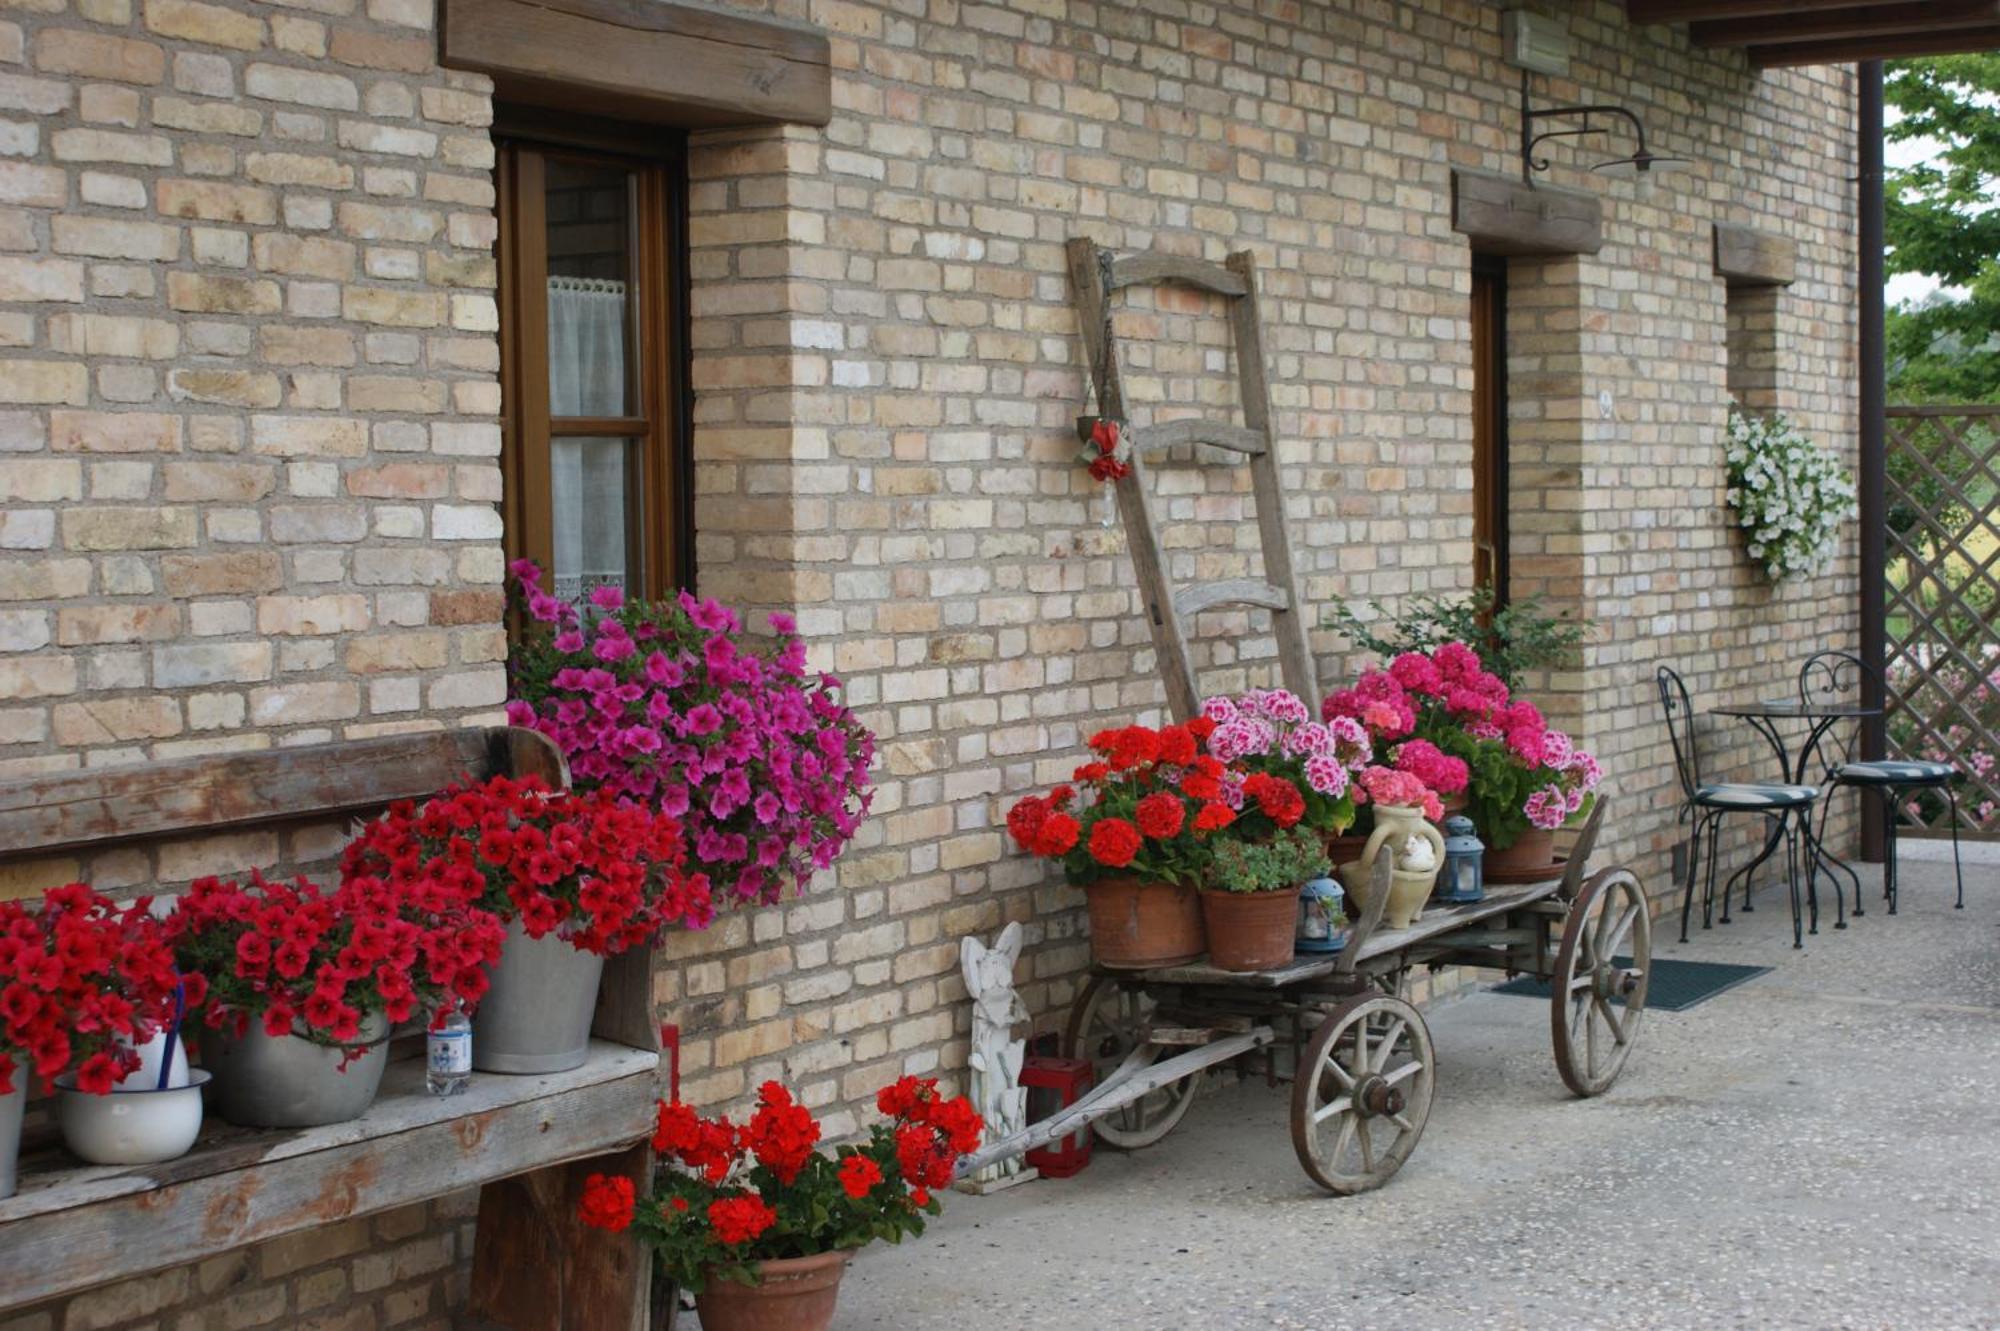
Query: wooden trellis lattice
{"points": [[1094, 274], [1944, 490]]}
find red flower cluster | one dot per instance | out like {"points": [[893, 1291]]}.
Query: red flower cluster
{"points": [[1043, 826], [781, 1133], [82, 982], [1279, 799], [734, 1195], [308, 961], [1114, 843], [606, 874], [608, 1202], [1106, 465]]}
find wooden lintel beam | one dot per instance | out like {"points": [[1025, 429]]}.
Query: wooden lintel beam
{"points": [[1696, 11], [1876, 20], [1951, 41]]}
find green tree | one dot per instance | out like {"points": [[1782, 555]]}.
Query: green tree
{"points": [[1943, 221]]}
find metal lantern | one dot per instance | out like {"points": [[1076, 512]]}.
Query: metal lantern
{"points": [[1053, 1084], [1464, 876], [1322, 923]]}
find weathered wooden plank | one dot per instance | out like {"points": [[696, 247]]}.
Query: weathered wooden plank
{"points": [[658, 61], [1685, 11], [70, 1229], [537, 1265], [1149, 267], [1507, 216], [1135, 505], [1887, 46], [157, 799], [1745, 256], [1231, 591], [1862, 21], [1295, 659], [1169, 434]]}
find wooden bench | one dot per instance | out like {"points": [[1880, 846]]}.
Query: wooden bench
{"points": [[527, 1142]]}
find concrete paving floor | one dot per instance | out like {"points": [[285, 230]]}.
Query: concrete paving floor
{"points": [[1819, 1148]]}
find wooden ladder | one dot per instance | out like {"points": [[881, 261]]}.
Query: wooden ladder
{"points": [[1095, 273]]}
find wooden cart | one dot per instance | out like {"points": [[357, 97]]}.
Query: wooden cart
{"points": [[1362, 1067]]}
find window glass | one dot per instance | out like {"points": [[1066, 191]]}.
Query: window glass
{"points": [[594, 486], [589, 209]]}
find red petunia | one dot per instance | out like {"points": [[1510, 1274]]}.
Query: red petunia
{"points": [[1201, 727], [1177, 745], [1135, 746], [1113, 842], [781, 1133], [608, 1203], [1161, 815]]}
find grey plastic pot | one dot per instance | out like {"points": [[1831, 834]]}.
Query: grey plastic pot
{"points": [[12, 1106], [536, 1017], [286, 1081]]}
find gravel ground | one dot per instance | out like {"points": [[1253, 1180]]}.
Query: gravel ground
{"points": [[1814, 1149]]}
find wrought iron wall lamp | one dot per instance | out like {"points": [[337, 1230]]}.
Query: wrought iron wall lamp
{"points": [[1642, 161]]}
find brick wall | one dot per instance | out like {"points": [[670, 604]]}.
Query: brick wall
{"points": [[287, 531]]}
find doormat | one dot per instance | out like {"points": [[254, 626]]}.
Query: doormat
{"points": [[1676, 986]]}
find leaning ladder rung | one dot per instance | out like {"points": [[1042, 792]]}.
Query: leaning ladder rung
{"points": [[1231, 591], [1138, 269], [1235, 438]]}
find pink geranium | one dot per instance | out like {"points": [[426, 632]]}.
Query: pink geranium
{"points": [[1386, 785]]}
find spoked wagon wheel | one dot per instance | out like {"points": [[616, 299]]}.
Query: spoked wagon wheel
{"points": [[1592, 1035], [1363, 1093], [1107, 1023]]}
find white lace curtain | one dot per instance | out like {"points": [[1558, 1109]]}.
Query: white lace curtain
{"points": [[587, 320]]}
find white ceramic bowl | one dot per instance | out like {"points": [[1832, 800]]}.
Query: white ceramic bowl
{"points": [[130, 1127]]}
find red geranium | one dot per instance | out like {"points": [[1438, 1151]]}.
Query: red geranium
{"points": [[1160, 815], [734, 1196], [83, 982], [1113, 843], [608, 1202]]}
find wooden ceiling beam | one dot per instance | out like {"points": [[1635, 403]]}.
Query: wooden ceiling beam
{"points": [[1696, 11], [1873, 20], [1951, 41]]}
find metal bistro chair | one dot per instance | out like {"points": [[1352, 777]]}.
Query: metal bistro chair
{"points": [[1834, 677], [1708, 804]]}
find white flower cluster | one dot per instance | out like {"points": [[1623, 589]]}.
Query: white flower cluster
{"points": [[1790, 495]]}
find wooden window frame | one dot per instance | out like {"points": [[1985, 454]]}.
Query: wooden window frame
{"points": [[664, 421]]}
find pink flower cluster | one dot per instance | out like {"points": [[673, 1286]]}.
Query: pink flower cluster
{"points": [[1387, 701], [1276, 724], [662, 703], [1386, 785], [1433, 766]]}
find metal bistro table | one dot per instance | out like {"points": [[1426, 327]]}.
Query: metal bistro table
{"points": [[1764, 716]]}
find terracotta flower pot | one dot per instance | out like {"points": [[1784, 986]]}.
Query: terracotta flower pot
{"points": [[1250, 931], [791, 1294], [1136, 924], [1535, 850]]}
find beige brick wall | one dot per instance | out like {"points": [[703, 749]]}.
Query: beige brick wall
{"points": [[248, 438], [260, 235]]}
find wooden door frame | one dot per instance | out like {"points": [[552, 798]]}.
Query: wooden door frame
{"points": [[1488, 317]]}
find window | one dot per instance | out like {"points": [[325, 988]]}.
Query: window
{"points": [[1489, 425], [593, 313]]}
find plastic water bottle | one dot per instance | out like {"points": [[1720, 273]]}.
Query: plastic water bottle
{"points": [[448, 1054]]}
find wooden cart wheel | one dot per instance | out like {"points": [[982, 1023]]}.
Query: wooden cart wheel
{"points": [[1106, 1023], [1363, 1093], [1592, 1035]]}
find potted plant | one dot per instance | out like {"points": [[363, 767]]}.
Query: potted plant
{"points": [[1272, 731], [760, 1224], [1444, 718], [85, 984], [1250, 904], [1405, 811], [304, 984], [670, 705], [1134, 835], [573, 877]]}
